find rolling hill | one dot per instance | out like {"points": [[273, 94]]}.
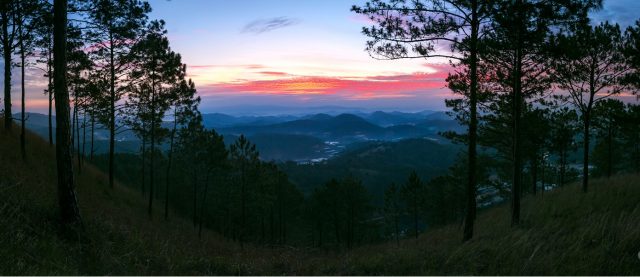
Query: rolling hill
{"points": [[351, 128], [320, 125]]}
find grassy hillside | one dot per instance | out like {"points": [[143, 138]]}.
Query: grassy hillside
{"points": [[564, 232]]}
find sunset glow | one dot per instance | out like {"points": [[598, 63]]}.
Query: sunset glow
{"points": [[291, 53]]}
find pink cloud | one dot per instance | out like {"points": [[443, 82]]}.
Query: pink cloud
{"points": [[355, 88]]}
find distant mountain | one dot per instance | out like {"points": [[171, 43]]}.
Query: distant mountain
{"points": [[219, 120], [386, 119], [349, 127], [319, 116], [289, 137], [320, 125], [37, 123], [438, 116], [380, 118]]}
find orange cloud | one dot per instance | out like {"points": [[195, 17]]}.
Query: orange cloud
{"points": [[353, 88]]}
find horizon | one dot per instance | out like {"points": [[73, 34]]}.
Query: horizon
{"points": [[237, 59]]}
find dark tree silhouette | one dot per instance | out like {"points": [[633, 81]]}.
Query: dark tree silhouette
{"points": [[563, 127], [413, 196], [44, 44], [393, 209], [212, 155], [631, 136], [357, 204], [9, 37], [244, 156], [514, 48], [114, 25], [418, 29], [631, 51], [156, 70], [27, 13], [536, 130], [185, 107], [608, 120], [66, 192], [589, 65]]}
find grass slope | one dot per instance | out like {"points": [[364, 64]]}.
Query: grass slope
{"points": [[564, 232]]}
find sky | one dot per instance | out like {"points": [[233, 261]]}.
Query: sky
{"points": [[267, 56], [292, 53]]}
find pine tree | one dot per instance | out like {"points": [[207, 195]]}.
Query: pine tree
{"points": [[514, 50], [212, 154], [114, 25], [415, 30], [66, 192], [185, 107], [563, 127], [156, 71], [357, 207], [589, 65], [393, 209], [244, 156], [631, 137], [607, 120], [412, 195], [9, 40], [27, 13], [44, 44]]}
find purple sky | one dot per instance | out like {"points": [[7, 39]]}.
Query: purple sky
{"points": [[291, 53]]}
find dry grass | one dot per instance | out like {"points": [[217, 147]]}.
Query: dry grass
{"points": [[564, 232]]}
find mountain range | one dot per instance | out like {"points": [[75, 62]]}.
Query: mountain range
{"points": [[294, 137]]}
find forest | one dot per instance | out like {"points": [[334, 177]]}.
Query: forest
{"points": [[540, 99]]}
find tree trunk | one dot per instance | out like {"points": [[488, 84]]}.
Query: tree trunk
{"points": [[534, 175], [243, 204], [397, 230], [112, 112], [93, 126], [517, 106], [66, 192], [320, 234], [72, 115], [336, 225], [542, 176], [195, 195], [77, 119], [470, 216], [610, 152], [84, 134], [585, 165], [144, 161], [153, 146], [637, 150], [415, 218], [6, 45], [170, 156], [23, 147], [271, 226], [203, 204], [563, 166], [50, 93], [262, 230]]}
